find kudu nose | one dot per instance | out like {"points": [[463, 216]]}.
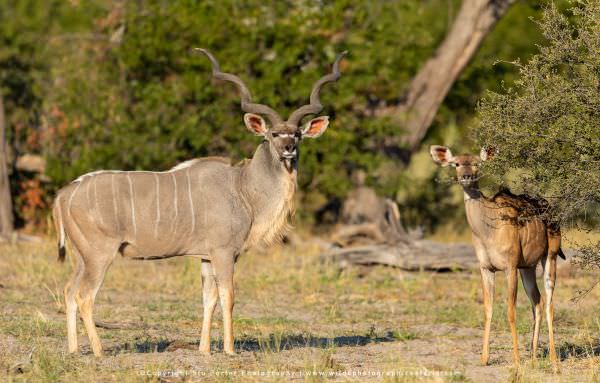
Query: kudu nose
{"points": [[290, 148]]}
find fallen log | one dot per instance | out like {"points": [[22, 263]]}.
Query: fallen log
{"points": [[410, 256], [16, 237]]}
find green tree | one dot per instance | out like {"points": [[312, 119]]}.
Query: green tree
{"points": [[547, 127], [26, 27], [136, 98], [103, 84]]}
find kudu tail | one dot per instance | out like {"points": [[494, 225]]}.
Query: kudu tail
{"points": [[60, 229], [554, 239]]}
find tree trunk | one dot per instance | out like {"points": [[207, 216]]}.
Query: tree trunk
{"points": [[429, 87], [6, 211]]}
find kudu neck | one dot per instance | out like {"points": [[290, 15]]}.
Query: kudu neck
{"points": [[266, 163], [266, 178]]}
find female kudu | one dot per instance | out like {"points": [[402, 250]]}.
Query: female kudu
{"points": [[510, 233]]}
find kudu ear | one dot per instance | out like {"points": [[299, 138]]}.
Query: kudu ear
{"points": [[441, 155], [255, 123], [315, 127], [487, 153]]}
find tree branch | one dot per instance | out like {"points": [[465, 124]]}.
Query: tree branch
{"points": [[430, 86]]}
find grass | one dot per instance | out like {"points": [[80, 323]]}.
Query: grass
{"points": [[295, 316]]}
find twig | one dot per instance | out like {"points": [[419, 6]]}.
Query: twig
{"points": [[113, 326]]}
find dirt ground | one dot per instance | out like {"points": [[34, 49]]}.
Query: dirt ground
{"points": [[296, 318]]}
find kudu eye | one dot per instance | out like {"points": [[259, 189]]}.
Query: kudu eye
{"points": [[275, 135]]}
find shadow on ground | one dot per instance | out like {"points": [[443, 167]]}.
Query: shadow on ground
{"points": [[273, 343], [569, 351]]}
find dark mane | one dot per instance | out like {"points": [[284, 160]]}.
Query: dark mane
{"points": [[525, 206]]}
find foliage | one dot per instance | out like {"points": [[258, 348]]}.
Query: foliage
{"points": [[547, 127], [118, 88], [24, 66], [149, 89]]}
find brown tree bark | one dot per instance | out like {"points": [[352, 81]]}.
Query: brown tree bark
{"points": [[429, 87], [6, 209], [411, 256]]}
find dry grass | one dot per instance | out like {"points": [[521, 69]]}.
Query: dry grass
{"points": [[294, 315]]}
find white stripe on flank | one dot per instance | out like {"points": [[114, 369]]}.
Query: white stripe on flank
{"points": [[71, 198], [87, 194], [112, 186], [174, 200], [191, 200], [96, 203], [61, 228], [203, 204], [131, 198], [157, 204]]}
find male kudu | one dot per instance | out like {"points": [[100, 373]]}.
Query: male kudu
{"points": [[510, 233], [204, 208]]}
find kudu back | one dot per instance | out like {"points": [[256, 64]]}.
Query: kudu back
{"points": [[206, 208]]}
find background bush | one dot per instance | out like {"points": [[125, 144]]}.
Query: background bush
{"points": [[547, 126], [111, 85]]}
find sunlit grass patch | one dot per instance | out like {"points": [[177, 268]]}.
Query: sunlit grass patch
{"points": [[30, 328], [45, 364], [403, 334], [294, 312]]}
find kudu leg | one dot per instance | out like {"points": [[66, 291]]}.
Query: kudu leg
{"points": [[223, 268], [487, 282], [549, 281], [92, 278], [511, 276], [71, 289], [210, 296], [531, 288]]}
